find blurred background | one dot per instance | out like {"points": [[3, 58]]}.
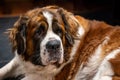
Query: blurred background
{"points": [[107, 10], [103, 10]]}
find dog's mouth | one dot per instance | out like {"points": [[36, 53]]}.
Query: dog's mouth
{"points": [[54, 56], [53, 61]]}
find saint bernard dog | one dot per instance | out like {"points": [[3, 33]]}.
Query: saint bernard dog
{"points": [[51, 43]]}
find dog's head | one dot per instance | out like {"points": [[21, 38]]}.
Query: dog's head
{"points": [[45, 35]]}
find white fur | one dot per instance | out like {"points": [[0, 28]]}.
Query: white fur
{"points": [[33, 72], [92, 64], [105, 71]]}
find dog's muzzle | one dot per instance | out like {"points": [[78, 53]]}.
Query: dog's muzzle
{"points": [[53, 47]]}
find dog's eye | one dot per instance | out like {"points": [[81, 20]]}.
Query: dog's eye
{"points": [[40, 30], [59, 31]]}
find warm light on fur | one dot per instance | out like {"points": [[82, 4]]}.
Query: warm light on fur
{"points": [[51, 43]]}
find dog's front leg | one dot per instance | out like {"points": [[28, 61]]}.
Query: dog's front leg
{"points": [[8, 69]]}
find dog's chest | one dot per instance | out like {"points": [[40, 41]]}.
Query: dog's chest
{"points": [[37, 77], [32, 72]]}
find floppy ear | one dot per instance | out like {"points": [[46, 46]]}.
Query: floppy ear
{"points": [[21, 36], [17, 35], [70, 24]]}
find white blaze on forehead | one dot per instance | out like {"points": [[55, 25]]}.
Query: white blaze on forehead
{"points": [[49, 17], [50, 34]]}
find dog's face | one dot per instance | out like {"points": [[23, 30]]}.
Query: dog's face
{"points": [[51, 46], [44, 36]]}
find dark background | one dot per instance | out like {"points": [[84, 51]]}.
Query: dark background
{"points": [[103, 10]]}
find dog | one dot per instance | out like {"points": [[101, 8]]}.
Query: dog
{"points": [[51, 43]]}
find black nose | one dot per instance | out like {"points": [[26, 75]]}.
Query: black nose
{"points": [[53, 44]]}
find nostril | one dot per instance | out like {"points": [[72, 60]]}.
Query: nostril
{"points": [[53, 44]]}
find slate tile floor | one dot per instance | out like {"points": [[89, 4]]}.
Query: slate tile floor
{"points": [[5, 48]]}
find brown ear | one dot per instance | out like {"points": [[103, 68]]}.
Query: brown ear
{"points": [[70, 25], [17, 35]]}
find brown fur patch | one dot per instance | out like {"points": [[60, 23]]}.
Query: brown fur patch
{"points": [[115, 62]]}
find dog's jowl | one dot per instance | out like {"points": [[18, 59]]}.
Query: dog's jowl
{"points": [[51, 43]]}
